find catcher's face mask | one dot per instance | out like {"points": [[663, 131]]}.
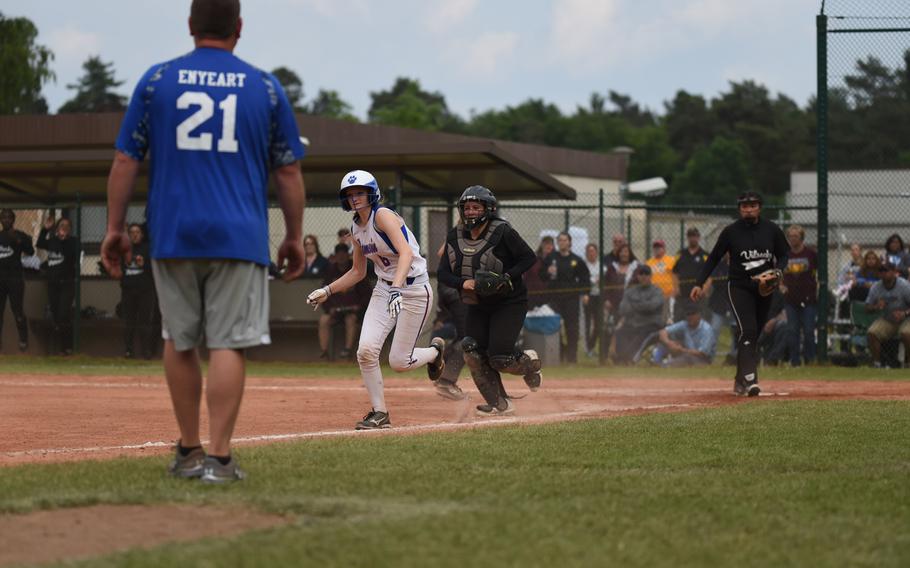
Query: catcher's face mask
{"points": [[473, 213]]}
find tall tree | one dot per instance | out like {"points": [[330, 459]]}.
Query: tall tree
{"points": [[689, 124], [533, 121], [330, 104], [94, 91], [292, 85], [407, 104], [24, 67], [630, 111], [715, 174]]}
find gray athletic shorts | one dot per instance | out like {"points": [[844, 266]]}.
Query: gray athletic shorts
{"points": [[228, 300]]}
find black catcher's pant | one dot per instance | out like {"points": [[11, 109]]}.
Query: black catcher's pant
{"points": [[60, 296], [450, 299], [14, 288], [489, 346], [751, 312]]}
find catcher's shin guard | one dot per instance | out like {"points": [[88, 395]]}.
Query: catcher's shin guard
{"points": [[485, 377], [518, 364]]}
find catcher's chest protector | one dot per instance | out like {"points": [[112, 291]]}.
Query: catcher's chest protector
{"points": [[477, 254]]}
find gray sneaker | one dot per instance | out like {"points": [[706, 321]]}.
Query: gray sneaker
{"points": [[435, 368], [448, 389], [188, 466], [215, 473]]}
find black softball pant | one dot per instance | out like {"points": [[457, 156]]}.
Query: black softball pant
{"points": [[496, 328], [138, 305], [14, 288], [751, 312], [567, 307], [60, 296]]}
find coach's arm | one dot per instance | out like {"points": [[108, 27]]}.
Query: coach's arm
{"points": [[291, 198], [120, 183]]}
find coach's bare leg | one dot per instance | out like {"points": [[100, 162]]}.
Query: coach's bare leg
{"points": [[875, 348], [227, 374], [184, 381]]}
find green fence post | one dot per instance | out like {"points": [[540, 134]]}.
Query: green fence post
{"points": [[566, 220], [821, 22]]}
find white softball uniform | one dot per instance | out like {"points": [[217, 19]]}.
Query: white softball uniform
{"points": [[417, 302], [377, 246]]}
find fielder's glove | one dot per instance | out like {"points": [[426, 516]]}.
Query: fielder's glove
{"points": [[394, 302], [490, 284], [768, 281], [318, 296]]}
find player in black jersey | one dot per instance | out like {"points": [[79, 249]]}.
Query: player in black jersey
{"points": [[758, 251], [13, 244]]}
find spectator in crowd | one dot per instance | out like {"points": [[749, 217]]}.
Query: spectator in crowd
{"points": [[137, 295], [619, 273], [891, 297], [534, 282], [341, 307], [315, 264], [569, 279], [689, 342], [63, 250], [686, 270], [721, 314], [774, 339], [845, 275], [866, 277], [619, 241], [896, 255], [800, 288], [13, 244], [593, 307], [344, 238], [662, 268], [641, 312]]}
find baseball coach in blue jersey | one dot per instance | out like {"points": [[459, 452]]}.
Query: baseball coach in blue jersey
{"points": [[215, 127]]}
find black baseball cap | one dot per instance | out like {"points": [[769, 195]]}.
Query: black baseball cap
{"points": [[886, 266], [643, 269]]}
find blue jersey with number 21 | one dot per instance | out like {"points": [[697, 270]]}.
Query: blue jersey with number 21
{"points": [[215, 126]]}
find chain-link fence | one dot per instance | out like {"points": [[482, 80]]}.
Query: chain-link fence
{"points": [[862, 181]]}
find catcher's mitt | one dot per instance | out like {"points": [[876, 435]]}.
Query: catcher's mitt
{"points": [[490, 284], [768, 281]]}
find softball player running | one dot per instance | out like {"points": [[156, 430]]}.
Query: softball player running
{"points": [[402, 298]]}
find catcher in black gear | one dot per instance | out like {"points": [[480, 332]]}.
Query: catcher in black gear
{"points": [[758, 252], [485, 258]]}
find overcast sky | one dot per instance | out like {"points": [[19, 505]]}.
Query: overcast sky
{"points": [[480, 55]]}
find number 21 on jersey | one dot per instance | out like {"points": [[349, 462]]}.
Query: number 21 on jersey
{"points": [[203, 141]]}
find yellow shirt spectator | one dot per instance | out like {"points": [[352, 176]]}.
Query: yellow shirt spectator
{"points": [[662, 268]]}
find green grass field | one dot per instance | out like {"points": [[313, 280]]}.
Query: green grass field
{"points": [[764, 484]]}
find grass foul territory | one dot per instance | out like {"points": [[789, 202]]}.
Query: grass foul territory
{"points": [[798, 483]]}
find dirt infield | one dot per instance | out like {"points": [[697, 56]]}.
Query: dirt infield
{"points": [[49, 418]]}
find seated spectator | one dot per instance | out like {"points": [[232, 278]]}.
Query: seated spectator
{"points": [[891, 297], [896, 255], [775, 336], [341, 307], [315, 264], [865, 277], [688, 342], [642, 313]]}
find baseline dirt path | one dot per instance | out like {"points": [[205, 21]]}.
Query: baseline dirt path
{"points": [[50, 418]]}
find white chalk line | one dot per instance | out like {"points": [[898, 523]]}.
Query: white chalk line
{"points": [[446, 426]]}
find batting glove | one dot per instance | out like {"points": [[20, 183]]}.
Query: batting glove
{"points": [[394, 302], [318, 296]]}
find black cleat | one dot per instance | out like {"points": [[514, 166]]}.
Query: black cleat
{"points": [[375, 420], [435, 368]]}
